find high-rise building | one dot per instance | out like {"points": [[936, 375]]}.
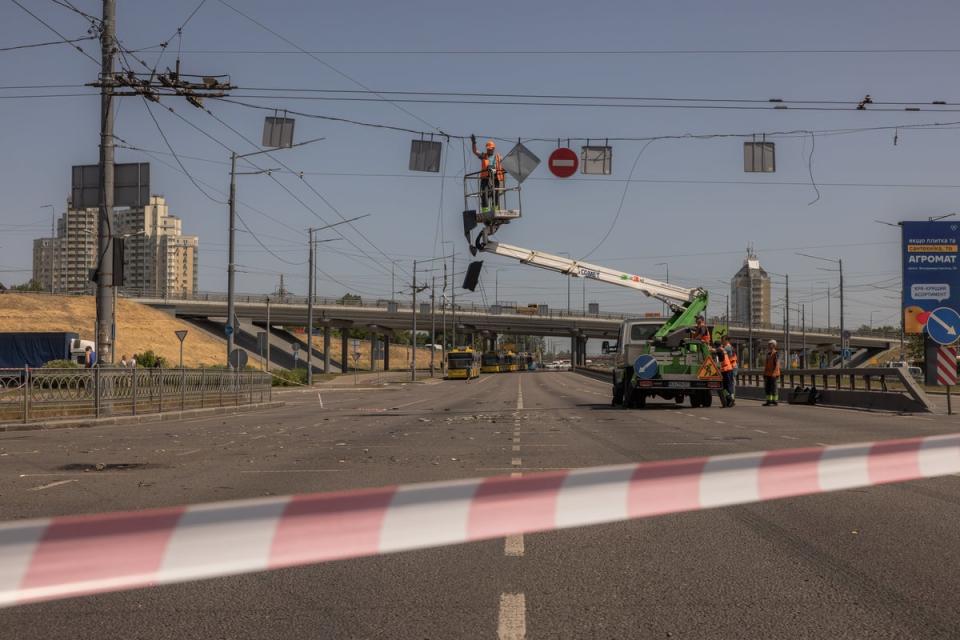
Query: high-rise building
{"points": [[750, 293], [158, 259], [62, 264]]}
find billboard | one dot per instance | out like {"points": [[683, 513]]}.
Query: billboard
{"points": [[131, 185], [931, 275]]}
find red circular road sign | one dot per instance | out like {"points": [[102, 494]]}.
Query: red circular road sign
{"points": [[563, 162]]}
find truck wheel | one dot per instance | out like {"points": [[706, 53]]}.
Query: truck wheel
{"points": [[679, 398], [617, 395], [694, 400], [641, 399], [707, 399]]}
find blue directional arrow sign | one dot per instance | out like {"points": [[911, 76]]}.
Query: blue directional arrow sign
{"points": [[228, 329], [645, 366], [943, 325]]}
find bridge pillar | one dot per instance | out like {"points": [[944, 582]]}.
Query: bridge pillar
{"points": [[344, 355], [574, 344], [326, 349], [386, 352], [373, 350]]}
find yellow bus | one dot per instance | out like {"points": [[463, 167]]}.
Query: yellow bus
{"points": [[463, 363], [490, 362], [509, 362]]}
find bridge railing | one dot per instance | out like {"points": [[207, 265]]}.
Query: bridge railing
{"points": [[28, 395], [868, 387]]}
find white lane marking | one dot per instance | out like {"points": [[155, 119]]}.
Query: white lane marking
{"points": [[186, 453], [516, 447], [760, 431], [516, 462], [519, 394], [821, 444], [703, 418], [512, 619], [516, 438], [513, 546], [51, 485], [289, 471], [517, 474], [790, 437], [720, 422]]}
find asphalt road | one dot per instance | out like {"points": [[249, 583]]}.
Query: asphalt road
{"points": [[881, 562]]}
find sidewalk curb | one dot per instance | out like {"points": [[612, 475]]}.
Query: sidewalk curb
{"points": [[142, 419]]}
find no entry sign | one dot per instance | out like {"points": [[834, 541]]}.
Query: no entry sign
{"points": [[563, 162]]}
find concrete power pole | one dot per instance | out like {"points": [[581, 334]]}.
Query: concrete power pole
{"points": [[104, 272]]}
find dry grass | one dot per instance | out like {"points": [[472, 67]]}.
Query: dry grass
{"points": [[139, 328]]}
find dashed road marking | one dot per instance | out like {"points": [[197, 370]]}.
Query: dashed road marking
{"points": [[516, 447], [790, 437], [516, 462], [512, 619], [760, 431], [513, 546], [51, 485], [186, 453]]}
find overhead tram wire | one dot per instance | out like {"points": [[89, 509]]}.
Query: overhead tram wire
{"points": [[684, 136], [47, 44], [326, 64], [548, 96], [315, 192], [174, 154], [269, 174], [774, 106], [59, 35], [578, 52]]}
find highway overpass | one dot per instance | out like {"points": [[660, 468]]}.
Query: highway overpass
{"points": [[384, 318]]}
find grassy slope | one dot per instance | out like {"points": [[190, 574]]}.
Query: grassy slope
{"points": [[138, 327]]}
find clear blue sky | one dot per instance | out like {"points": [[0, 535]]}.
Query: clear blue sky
{"points": [[700, 227]]}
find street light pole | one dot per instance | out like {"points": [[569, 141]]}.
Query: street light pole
{"points": [[311, 252], [413, 334]]}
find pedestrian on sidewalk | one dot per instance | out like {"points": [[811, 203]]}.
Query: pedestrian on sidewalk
{"points": [[771, 374]]}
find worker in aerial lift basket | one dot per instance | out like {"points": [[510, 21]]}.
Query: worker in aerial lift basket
{"points": [[491, 174]]}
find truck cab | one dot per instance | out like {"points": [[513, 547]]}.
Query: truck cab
{"points": [[672, 365]]}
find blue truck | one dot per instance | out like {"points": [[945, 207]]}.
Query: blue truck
{"points": [[35, 349]]}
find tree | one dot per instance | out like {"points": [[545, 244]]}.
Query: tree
{"points": [[31, 286]]}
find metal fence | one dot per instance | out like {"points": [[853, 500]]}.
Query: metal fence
{"points": [[28, 395]]}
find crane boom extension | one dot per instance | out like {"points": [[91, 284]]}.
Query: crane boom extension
{"points": [[665, 292]]}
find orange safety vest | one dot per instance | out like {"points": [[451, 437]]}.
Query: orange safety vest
{"points": [[771, 368], [725, 365], [734, 362], [485, 167]]}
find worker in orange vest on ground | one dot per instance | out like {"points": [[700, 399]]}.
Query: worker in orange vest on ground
{"points": [[771, 374], [726, 372], [735, 361], [491, 174]]}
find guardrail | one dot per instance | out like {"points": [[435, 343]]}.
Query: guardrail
{"points": [[890, 388], [29, 395]]}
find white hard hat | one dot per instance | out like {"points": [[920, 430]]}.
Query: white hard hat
{"points": [[773, 342]]}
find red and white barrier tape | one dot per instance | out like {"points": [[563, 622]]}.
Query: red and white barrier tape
{"points": [[75, 555]]}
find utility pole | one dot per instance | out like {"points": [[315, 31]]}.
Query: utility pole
{"points": [[231, 249], [268, 335], [750, 318], [453, 288], [843, 353], [443, 320], [803, 324], [104, 272], [310, 284], [433, 321], [787, 322], [413, 334]]}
